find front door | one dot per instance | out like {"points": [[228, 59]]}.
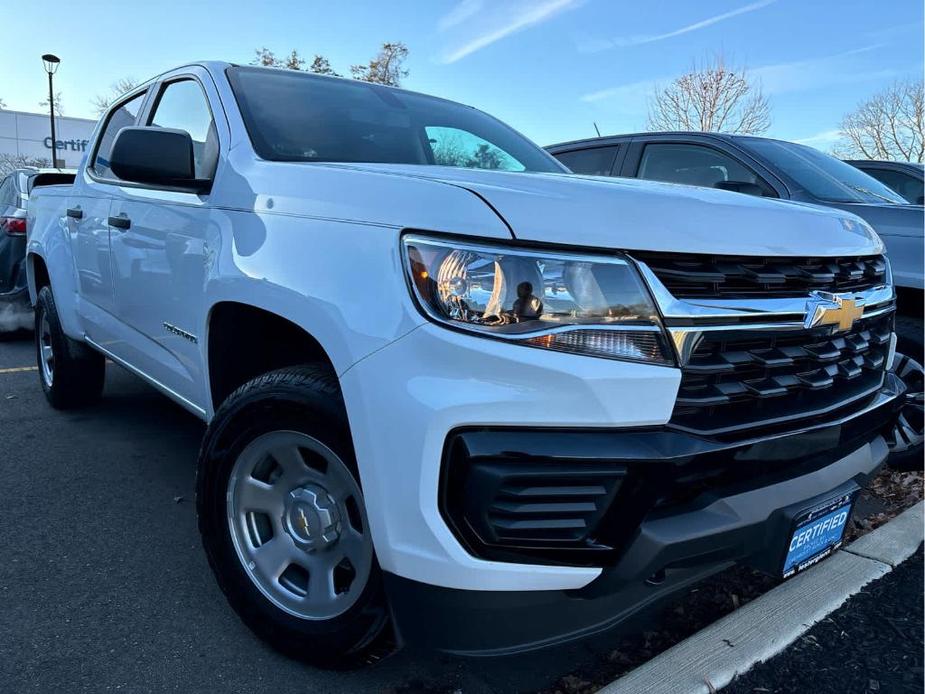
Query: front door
{"points": [[159, 254]]}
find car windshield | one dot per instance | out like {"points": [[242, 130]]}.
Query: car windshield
{"points": [[292, 116], [822, 176]]}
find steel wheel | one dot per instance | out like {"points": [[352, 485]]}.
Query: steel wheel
{"points": [[298, 525], [46, 352], [907, 433]]}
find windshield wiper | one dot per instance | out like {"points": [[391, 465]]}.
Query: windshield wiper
{"points": [[861, 189]]}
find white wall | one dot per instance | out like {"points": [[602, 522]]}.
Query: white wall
{"points": [[29, 134]]}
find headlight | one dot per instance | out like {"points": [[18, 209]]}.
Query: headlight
{"points": [[585, 304]]}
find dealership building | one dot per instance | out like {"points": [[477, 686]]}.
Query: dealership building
{"points": [[29, 135]]}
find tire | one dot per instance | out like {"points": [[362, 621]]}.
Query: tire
{"points": [[905, 438], [71, 373], [301, 409]]}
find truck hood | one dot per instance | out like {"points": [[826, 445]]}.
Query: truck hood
{"points": [[631, 214]]}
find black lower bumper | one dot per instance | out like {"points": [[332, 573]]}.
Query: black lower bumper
{"points": [[736, 519]]}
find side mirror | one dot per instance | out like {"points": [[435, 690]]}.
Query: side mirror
{"points": [[920, 200], [159, 156], [740, 187]]}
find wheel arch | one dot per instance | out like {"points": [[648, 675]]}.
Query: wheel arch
{"points": [[244, 341]]}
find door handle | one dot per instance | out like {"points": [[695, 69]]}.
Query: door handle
{"points": [[75, 213], [120, 222]]}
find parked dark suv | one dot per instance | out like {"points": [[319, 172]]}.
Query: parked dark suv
{"points": [[15, 309], [905, 177], [778, 169]]}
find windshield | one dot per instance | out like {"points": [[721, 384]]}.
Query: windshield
{"points": [[292, 116], [822, 176]]}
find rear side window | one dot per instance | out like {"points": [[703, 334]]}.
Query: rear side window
{"points": [[910, 187], [693, 165], [122, 117], [8, 196], [597, 161], [183, 106]]}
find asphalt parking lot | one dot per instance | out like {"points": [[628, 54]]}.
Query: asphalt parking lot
{"points": [[104, 585]]}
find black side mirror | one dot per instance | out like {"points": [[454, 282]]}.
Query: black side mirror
{"points": [[159, 156], [740, 187]]}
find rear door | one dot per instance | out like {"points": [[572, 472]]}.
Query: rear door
{"points": [[87, 220], [159, 247]]}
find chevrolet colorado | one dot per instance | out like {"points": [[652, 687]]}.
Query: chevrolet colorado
{"points": [[790, 171], [455, 394]]}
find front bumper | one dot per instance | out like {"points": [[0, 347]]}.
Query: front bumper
{"points": [[670, 550], [407, 401]]}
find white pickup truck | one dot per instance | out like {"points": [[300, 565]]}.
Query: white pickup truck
{"points": [[454, 394]]}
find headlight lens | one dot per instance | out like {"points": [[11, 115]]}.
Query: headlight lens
{"points": [[594, 305]]}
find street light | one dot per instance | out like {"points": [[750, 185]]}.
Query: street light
{"points": [[51, 66]]}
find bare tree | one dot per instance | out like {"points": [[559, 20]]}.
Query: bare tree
{"points": [[10, 162], [889, 125], [714, 97], [2, 104], [265, 58], [59, 108], [121, 86], [385, 67], [321, 66]]}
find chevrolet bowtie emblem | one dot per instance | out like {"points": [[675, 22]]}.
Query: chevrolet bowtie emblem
{"points": [[839, 310]]}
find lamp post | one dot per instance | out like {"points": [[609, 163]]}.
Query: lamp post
{"points": [[51, 65]]}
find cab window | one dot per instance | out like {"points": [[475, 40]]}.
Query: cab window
{"points": [[182, 105], [596, 161], [694, 165], [121, 117]]}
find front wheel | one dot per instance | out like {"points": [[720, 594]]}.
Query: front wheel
{"points": [[283, 519], [906, 436]]}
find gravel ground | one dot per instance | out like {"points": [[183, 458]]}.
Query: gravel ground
{"points": [[873, 643]]}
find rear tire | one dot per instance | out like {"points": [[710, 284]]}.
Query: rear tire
{"points": [[287, 430], [906, 437], [71, 373]]}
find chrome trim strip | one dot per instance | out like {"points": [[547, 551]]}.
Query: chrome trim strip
{"points": [[686, 338], [707, 309], [170, 393]]}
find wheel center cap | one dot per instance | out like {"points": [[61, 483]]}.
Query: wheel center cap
{"points": [[311, 518]]}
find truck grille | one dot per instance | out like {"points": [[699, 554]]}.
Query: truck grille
{"points": [[737, 379], [697, 276]]}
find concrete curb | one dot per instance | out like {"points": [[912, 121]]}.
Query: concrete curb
{"points": [[712, 657]]}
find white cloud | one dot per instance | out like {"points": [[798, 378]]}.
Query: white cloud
{"points": [[631, 92], [596, 45], [501, 20], [823, 71], [821, 140], [459, 14]]}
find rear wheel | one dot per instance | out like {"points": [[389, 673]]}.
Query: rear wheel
{"points": [[71, 373], [283, 520], [906, 437]]}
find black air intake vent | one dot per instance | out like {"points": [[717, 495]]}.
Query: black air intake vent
{"points": [[546, 505]]}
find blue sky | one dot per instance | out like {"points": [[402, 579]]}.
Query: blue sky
{"points": [[550, 68]]}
